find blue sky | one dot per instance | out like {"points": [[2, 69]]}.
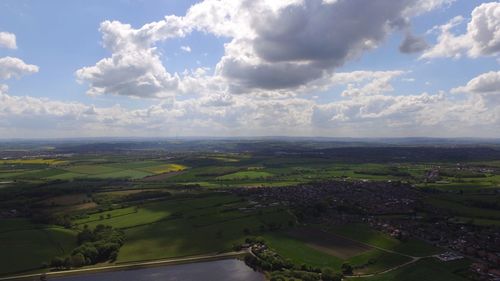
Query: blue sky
{"points": [[237, 90]]}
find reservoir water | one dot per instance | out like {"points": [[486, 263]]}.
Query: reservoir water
{"points": [[222, 270]]}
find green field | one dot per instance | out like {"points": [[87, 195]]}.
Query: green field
{"points": [[365, 234], [182, 204], [200, 227], [455, 207], [186, 226], [301, 252], [426, 269], [41, 244], [246, 175], [45, 169]]}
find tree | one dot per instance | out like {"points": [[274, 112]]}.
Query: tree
{"points": [[78, 260], [346, 269], [57, 262], [327, 274], [85, 235], [67, 262]]}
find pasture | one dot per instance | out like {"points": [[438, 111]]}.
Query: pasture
{"points": [[41, 242], [246, 175], [426, 269], [365, 234], [191, 227], [313, 247], [329, 243]]}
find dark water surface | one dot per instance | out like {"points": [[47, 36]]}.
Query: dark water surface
{"points": [[222, 270]]}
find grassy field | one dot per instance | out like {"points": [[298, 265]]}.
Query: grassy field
{"points": [[427, 269], [27, 249], [329, 243], [372, 237], [246, 175], [457, 208], [195, 226], [185, 226], [196, 220], [299, 252], [317, 251], [375, 261], [9, 225]]}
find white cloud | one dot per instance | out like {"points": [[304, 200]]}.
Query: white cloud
{"points": [[424, 6], [8, 40], [15, 68], [482, 37], [186, 49], [379, 83], [486, 83], [279, 57], [274, 46], [134, 69], [370, 114]]}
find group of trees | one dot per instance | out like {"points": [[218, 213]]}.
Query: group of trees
{"points": [[326, 274], [48, 218], [94, 246], [146, 195], [283, 269]]}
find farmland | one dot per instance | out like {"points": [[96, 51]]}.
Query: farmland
{"points": [[315, 210]]}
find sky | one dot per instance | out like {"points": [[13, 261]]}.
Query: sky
{"points": [[168, 68]]}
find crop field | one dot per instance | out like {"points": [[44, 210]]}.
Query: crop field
{"points": [[237, 170], [92, 169], [53, 169], [37, 161], [164, 168]]}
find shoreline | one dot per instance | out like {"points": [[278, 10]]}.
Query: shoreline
{"points": [[128, 266]]}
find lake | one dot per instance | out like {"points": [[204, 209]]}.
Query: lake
{"points": [[221, 270]]}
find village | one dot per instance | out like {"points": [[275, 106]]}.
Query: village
{"points": [[393, 208]]}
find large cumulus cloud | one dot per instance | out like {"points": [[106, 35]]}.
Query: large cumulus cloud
{"points": [[482, 37], [273, 45]]}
